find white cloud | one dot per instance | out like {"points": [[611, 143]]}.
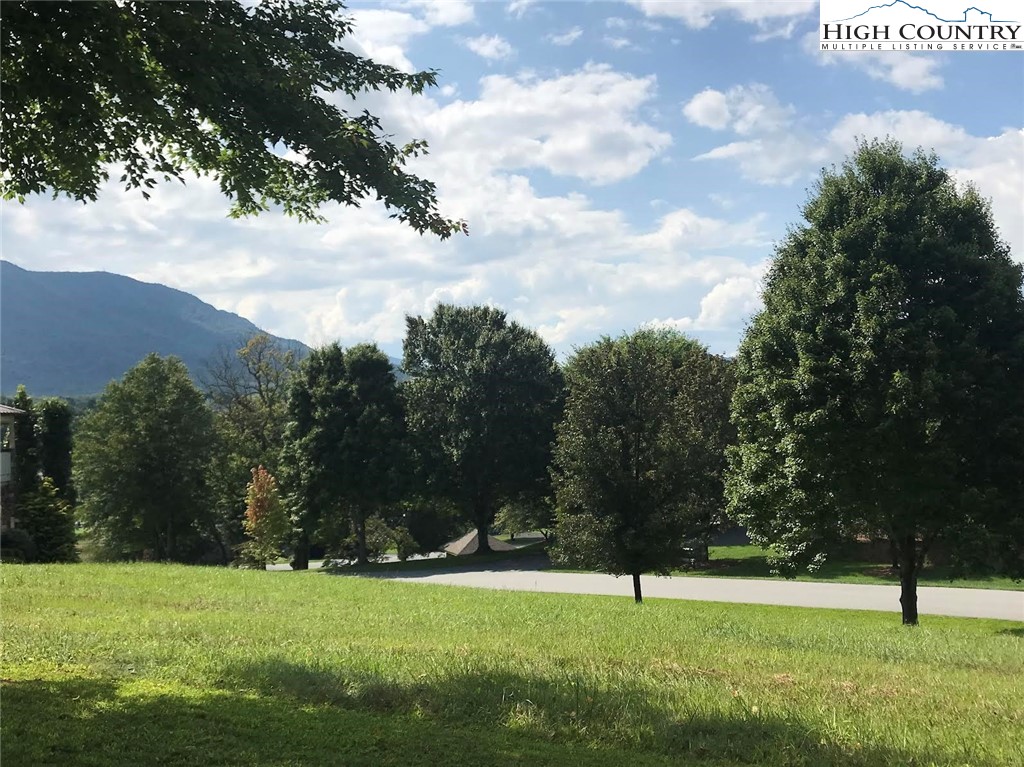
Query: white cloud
{"points": [[384, 34], [582, 124], [709, 109], [736, 298], [443, 13], [698, 14], [491, 47], [909, 71], [566, 38], [747, 109], [618, 43], [518, 8]]}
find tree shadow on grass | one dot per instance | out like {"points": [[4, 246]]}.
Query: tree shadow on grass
{"points": [[1015, 632], [602, 718], [92, 723]]}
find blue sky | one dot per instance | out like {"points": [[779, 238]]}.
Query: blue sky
{"points": [[619, 163]]}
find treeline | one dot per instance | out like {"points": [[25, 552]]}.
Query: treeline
{"points": [[333, 455]]}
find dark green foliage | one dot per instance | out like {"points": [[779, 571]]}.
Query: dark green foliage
{"points": [[17, 546], [431, 522], [881, 389], [526, 515], [25, 463], [482, 398], [72, 333], [343, 447], [640, 454], [162, 89], [141, 459], [53, 440], [48, 518]]}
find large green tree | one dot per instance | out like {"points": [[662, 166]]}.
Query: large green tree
{"points": [[482, 399], [343, 452], [160, 89], [140, 462], [881, 389], [640, 457]]}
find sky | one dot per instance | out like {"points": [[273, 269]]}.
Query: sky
{"points": [[619, 164]]}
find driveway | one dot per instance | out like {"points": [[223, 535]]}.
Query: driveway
{"points": [[968, 603]]}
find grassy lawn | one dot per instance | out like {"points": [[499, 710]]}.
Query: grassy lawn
{"points": [[160, 664], [751, 562]]}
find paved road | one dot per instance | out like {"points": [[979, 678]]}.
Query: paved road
{"points": [[970, 603]]}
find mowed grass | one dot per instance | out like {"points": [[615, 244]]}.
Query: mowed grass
{"points": [[160, 664], [752, 562]]}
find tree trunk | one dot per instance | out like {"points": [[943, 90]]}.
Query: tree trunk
{"points": [[908, 579], [170, 540], [300, 561], [637, 595], [361, 557], [483, 545]]}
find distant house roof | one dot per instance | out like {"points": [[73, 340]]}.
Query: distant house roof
{"points": [[470, 542], [8, 410]]}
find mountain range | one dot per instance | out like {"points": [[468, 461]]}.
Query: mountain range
{"points": [[71, 333]]}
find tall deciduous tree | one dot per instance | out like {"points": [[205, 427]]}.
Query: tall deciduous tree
{"points": [[344, 442], [483, 397], [159, 89], [248, 388], [881, 389], [141, 458], [640, 457], [53, 439]]}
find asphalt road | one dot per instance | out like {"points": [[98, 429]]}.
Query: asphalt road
{"points": [[968, 603]]}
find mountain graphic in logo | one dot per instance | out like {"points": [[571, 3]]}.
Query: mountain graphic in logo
{"points": [[903, 4]]}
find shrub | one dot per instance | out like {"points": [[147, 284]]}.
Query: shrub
{"points": [[50, 522]]}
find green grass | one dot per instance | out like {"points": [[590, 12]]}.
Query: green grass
{"points": [[752, 562], [161, 664]]}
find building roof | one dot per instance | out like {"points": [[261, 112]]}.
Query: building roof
{"points": [[470, 542], [8, 410]]}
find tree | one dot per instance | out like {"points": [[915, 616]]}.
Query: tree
{"points": [[522, 516], [248, 389], [640, 454], [49, 520], [266, 522], [54, 444], [482, 399], [140, 462], [25, 468], [160, 89], [881, 389], [344, 442]]}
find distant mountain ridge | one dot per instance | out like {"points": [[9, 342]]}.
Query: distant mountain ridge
{"points": [[71, 333]]}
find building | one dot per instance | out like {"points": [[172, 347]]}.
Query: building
{"points": [[8, 491]]}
